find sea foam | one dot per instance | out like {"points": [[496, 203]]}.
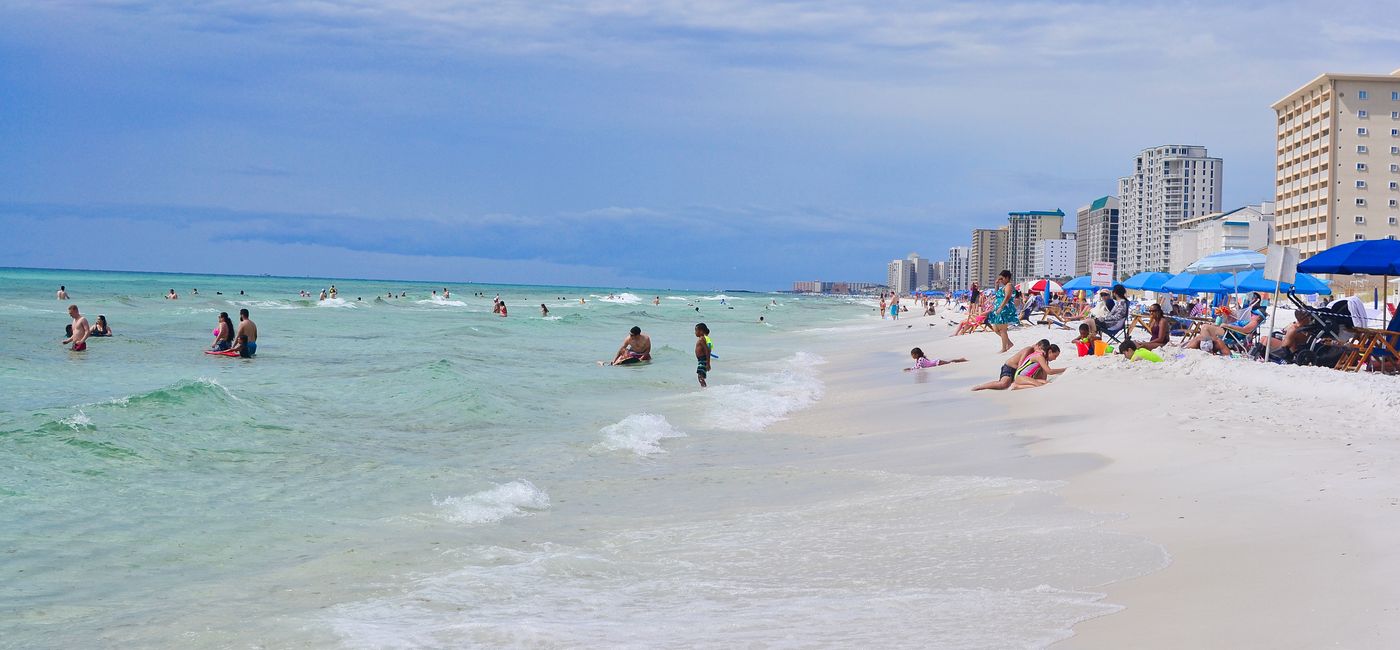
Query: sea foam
{"points": [[514, 499], [758, 401], [639, 433]]}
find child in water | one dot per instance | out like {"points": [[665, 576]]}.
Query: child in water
{"points": [[921, 361], [703, 352]]}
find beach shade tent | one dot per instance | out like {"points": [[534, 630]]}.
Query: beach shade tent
{"points": [[935, 294], [1196, 283], [1255, 281], [1228, 262], [1147, 281], [1368, 257], [1081, 283], [1040, 286], [961, 293]]}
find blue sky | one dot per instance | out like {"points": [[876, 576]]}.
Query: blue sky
{"points": [[721, 144]]}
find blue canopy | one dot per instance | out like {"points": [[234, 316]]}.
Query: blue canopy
{"points": [[1147, 281], [1254, 281], [1193, 283], [935, 293], [1228, 262], [961, 292], [1080, 283], [1370, 257]]}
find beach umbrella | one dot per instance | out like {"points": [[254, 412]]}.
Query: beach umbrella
{"points": [[1039, 286], [1255, 281], [1228, 262], [1147, 281], [1196, 283], [1081, 283], [1368, 257]]}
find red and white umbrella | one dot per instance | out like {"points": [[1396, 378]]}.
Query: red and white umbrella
{"points": [[1039, 286]]}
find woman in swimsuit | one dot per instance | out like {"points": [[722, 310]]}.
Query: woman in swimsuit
{"points": [[101, 328], [1009, 369], [223, 333]]}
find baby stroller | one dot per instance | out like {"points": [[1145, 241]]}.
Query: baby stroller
{"points": [[1330, 327]]}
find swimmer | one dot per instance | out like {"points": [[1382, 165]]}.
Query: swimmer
{"points": [[704, 352], [323, 295], [223, 333], [544, 311], [446, 294], [80, 330], [172, 295], [194, 292], [921, 361], [636, 348], [100, 328], [62, 293], [247, 334], [244, 347], [501, 306], [656, 300]]}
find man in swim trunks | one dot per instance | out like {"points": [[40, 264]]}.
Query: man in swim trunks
{"points": [[81, 330], [636, 348], [247, 328]]}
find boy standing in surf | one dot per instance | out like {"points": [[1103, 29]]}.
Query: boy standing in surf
{"points": [[703, 347]]}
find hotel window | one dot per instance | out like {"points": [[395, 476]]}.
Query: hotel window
{"points": [[1361, 114], [1392, 221], [1390, 237], [1395, 168], [1361, 167], [1361, 148], [1361, 130], [1361, 94], [1395, 150], [1395, 95], [1360, 219], [1359, 237], [1394, 203], [1395, 132], [1395, 115], [1360, 185], [1394, 185], [1361, 203]]}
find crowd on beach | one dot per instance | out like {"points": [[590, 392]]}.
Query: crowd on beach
{"points": [[1320, 333], [242, 340]]}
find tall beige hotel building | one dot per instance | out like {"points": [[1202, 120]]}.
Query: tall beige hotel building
{"points": [[1338, 171]]}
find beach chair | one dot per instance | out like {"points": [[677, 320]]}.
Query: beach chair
{"points": [[1376, 349]]}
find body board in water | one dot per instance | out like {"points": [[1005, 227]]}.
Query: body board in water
{"points": [[222, 353]]}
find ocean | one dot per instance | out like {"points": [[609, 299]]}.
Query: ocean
{"points": [[419, 472]]}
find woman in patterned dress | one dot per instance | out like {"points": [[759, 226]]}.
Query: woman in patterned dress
{"points": [[1003, 313]]}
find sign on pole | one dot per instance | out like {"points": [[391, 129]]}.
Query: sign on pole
{"points": [[1101, 274], [1282, 264]]}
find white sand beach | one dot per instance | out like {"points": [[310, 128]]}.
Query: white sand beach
{"points": [[1271, 490]]}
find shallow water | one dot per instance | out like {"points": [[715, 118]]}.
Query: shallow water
{"points": [[421, 473]]}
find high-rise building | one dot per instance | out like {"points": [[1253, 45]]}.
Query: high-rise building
{"points": [[1249, 228], [988, 256], [907, 275], [937, 274], [1054, 258], [1169, 183], [1097, 234], [1338, 167], [958, 276], [1026, 230]]}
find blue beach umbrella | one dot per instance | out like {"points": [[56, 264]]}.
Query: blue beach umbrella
{"points": [[1194, 283], [1081, 283], [1255, 281], [1147, 281], [1369, 257], [1228, 262]]}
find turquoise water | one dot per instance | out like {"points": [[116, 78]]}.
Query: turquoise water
{"points": [[421, 473]]}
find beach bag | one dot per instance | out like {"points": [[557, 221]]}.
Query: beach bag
{"points": [[1100, 311]]}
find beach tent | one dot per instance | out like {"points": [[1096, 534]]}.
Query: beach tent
{"points": [[935, 294], [1039, 286], [1228, 262], [1254, 281], [1147, 281], [1194, 283], [1081, 283]]}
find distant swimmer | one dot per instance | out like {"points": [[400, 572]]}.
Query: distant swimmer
{"points": [[501, 308], [62, 293], [636, 348], [580, 301], [101, 328], [223, 333], [194, 292], [446, 294], [172, 295], [333, 292], [656, 300], [704, 351], [323, 295], [79, 330], [544, 311], [247, 335]]}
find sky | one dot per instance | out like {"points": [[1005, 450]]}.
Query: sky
{"points": [[660, 143]]}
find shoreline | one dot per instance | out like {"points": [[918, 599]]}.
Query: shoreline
{"points": [[1270, 488]]}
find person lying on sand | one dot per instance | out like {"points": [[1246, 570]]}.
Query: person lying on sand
{"points": [[1008, 369], [921, 361], [1035, 369]]}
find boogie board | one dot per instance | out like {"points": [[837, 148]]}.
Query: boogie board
{"points": [[222, 353]]}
